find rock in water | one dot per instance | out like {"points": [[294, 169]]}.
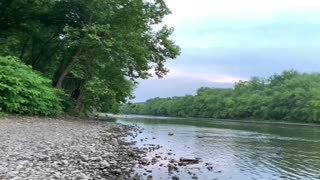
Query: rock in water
{"points": [[175, 178], [186, 161]]}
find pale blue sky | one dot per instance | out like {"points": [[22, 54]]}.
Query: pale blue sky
{"points": [[224, 41]]}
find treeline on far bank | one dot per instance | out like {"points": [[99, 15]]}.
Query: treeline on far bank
{"points": [[290, 96]]}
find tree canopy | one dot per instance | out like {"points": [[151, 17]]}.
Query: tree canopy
{"points": [[94, 50]]}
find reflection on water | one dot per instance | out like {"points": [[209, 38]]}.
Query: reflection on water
{"points": [[234, 150]]}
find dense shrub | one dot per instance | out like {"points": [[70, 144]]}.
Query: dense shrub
{"points": [[25, 91]]}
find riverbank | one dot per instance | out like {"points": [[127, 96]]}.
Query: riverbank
{"points": [[66, 148], [132, 116]]}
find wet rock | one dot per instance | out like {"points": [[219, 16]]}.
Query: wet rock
{"points": [[144, 161], [194, 177], [170, 167], [154, 160], [136, 177], [175, 177], [186, 161]]}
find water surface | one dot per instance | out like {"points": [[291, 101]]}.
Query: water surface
{"points": [[234, 150]]}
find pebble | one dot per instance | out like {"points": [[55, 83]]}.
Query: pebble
{"points": [[114, 142], [104, 164], [194, 177], [175, 177], [46, 148]]}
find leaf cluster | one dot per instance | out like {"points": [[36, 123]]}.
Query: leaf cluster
{"points": [[24, 91]]}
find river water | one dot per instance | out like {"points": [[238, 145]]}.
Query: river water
{"points": [[230, 150]]}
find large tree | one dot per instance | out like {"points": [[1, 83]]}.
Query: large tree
{"points": [[95, 50]]}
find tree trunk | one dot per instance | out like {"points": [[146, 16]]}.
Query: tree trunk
{"points": [[67, 69], [23, 48]]}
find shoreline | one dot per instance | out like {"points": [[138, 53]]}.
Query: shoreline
{"points": [[132, 116], [66, 148]]}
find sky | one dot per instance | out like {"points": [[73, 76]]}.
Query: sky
{"points": [[224, 41]]}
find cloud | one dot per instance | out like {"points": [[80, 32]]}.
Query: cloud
{"points": [[191, 9], [245, 23], [202, 74]]}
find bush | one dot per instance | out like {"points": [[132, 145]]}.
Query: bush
{"points": [[24, 91]]}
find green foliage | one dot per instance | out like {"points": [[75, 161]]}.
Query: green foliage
{"points": [[94, 50], [290, 96], [25, 91]]}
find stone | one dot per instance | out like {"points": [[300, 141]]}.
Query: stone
{"points": [[175, 177], [65, 162], [18, 168], [57, 175], [104, 164], [117, 171], [170, 167], [82, 176], [185, 161], [145, 161], [96, 159], [113, 162], [84, 158], [114, 142]]}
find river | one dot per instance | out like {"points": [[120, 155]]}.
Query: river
{"points": [[230, 150]]}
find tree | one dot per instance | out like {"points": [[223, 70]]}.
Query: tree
{"points": [[94, 50]]}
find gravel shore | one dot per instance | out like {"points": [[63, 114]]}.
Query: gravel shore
{"points": [[65, 148]]}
